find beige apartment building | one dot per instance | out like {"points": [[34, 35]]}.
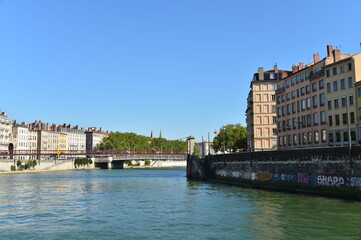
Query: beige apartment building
{"points": [[261, 110], [342, 97]]}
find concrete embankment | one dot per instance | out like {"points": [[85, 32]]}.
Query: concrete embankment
{"points": [[323, 171], [156, 164], [44, 165]]}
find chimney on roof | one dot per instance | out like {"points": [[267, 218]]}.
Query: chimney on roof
{"points": [[316, 57], [300, 67], [329, 50], [276, 68], [336, 55], [100, 129], [294, 68], [260, 73]]}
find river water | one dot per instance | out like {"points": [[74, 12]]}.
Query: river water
{"points": [[162, 204]]}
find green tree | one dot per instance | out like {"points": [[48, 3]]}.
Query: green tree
{"points": [[132, 141], [231, 138]]}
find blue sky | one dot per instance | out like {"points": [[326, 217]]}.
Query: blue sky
{"points": [[134, 66]]}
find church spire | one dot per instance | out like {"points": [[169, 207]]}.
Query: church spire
{"points": [[151, 135], [160, 134]]}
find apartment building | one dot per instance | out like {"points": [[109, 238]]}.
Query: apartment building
{"points": [[5, 132], [301, 113], [94, 137], [342, 97], [76, 138], [19, 140], [358, 109], [261, 110]]}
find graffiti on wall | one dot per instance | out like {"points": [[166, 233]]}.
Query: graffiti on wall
{"points": [[354, 181], [330, 181]]}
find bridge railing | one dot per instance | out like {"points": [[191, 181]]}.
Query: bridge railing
{"points": [[7, 153]]}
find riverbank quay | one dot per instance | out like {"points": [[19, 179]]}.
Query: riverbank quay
{"points": [[320, 171], [64, 165]]}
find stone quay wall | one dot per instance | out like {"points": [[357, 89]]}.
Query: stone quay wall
{"points": [[324, 171]]}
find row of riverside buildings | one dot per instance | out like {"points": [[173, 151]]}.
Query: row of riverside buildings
{"points": [[313, 105], [39, 137]]}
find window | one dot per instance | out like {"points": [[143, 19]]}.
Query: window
{"points": [[350, 82], [314, 101], [307, 74], [344, 118], [308, 89], [345, 136], [323, 135], [337, 119], [302, 76], [352, 117], [278, 99], [359, 92], [309, 120], [353, 136], [283, 111], [293, 94], [303, 104], [334, 71], [287, 83], [302, 91], [322, 99], [309, 137], [338, 137], [321, 84], [328, 73], [328, 87], [343, 85], [279, 112], [308, 103], [273, 97], [342, 69], [295, 139], [349, 67], [343, 101], [288, 109], [316, 136], [293, 107], [272, 76], [292, 81], [288, 96], [336, 102], [274, 120], [315, 119], [314, 87], [323, 117], [297, 81], [335, 86], [273, 108], [329, 104], [330, 137], [294, 123], [274, 131], [359, 112]]}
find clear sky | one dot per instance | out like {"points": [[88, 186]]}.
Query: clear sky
{"points": [[139, 65]]}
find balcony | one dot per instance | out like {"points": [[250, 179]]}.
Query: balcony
{"points": [[280, 90], [317, 74]]}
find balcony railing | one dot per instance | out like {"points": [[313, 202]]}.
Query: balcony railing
{"points": [[316, 75]]}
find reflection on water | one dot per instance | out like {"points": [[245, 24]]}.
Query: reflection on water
{"points": [[162, 204]]}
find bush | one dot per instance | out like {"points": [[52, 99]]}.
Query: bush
{"points": [[147, 163], [82, 161], [32, 163], [18, 163], [12, 168], [26, 166], [21, 167]]}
